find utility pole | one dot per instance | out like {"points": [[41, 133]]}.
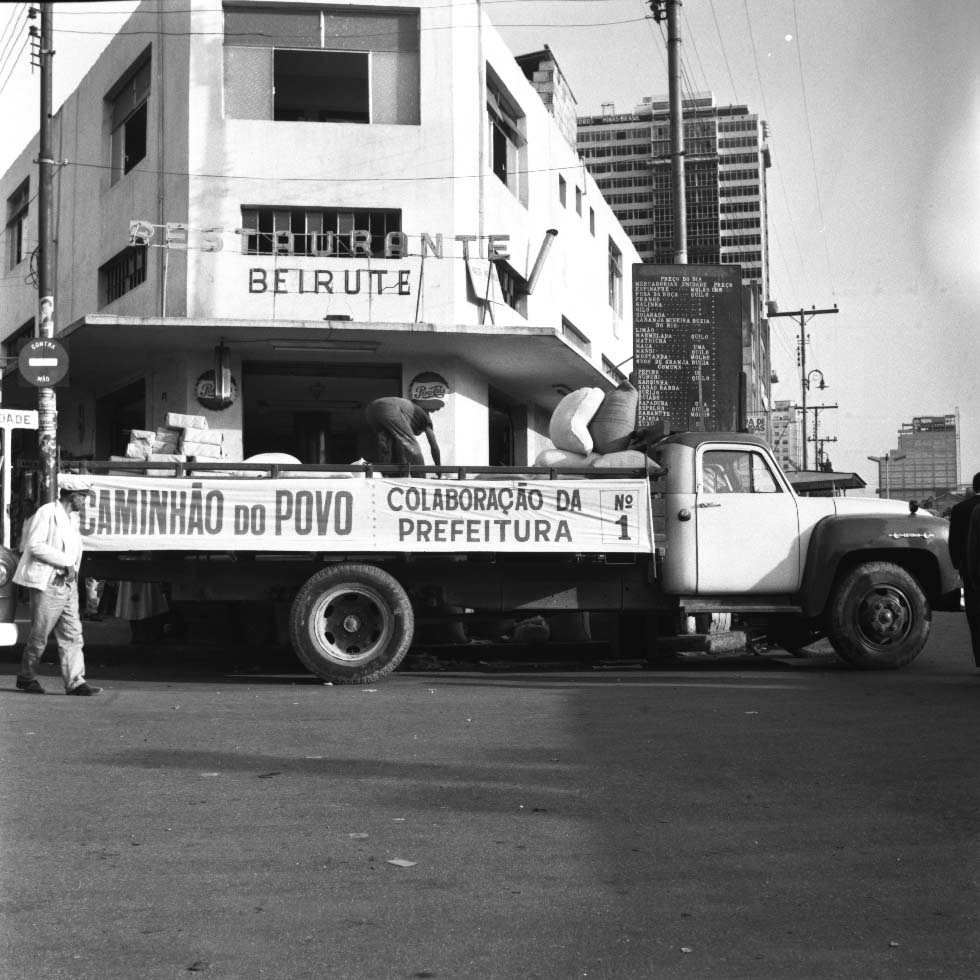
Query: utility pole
{"points": [[47, 436], [820, 444], [804, 317], [817, 409], [669, 10]]}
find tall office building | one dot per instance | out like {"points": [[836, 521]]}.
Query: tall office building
{"points": [[926, 462], [726, 156]]}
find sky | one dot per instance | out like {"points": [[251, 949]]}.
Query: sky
{"points": [[874, 117]]}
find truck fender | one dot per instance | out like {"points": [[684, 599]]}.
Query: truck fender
{"points": [[918, 543]]}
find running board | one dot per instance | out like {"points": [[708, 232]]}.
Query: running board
{"points": [[723, 604]]}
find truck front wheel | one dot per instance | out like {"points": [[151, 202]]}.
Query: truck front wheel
{"points": [[351, 623], [878, 617]]}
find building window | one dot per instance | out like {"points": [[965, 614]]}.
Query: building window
{"points": [[127, 120], [575, 336], [508, 145], [17, 224], [337, 232], [615, 278], [612, 371], [323, 65], [592, 220], [321, 86], [578, 200], [13, 343], [562, 191], [122, 273], [513, 286]]}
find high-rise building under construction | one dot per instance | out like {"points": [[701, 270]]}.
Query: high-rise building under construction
{"points": [[926, 462]]}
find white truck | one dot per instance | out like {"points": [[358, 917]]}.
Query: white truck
{"points": [[712, 525]]}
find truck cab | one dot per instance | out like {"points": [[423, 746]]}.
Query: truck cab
{"points": [[737, 536]]}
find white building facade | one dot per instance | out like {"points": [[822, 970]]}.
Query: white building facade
{"points": [[336, 201]]}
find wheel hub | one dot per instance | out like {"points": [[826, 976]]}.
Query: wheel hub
{"points": [[885, 618], [351, 623]]}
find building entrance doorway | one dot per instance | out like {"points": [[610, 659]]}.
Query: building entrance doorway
{"points": [[116, 415], [313, 410], [507, 421]]}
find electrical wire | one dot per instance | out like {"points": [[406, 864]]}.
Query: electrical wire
{"points": [[724, 52], [813, 158], [327, 180], [453, 27], [779, 174], [8, 47], [13, 66], [8, 36], [690, 34]]}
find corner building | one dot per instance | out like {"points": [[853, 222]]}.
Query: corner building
{"points": [[330, 202]]}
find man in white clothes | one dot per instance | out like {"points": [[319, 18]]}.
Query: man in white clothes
{"points": [[51, 553]]}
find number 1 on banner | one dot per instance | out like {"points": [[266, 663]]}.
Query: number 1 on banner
{"points": [[619, 515]]}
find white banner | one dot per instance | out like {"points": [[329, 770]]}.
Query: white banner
{"points": [[358, 514]]}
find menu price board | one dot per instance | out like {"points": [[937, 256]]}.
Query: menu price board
{"points": [[687, 345]]}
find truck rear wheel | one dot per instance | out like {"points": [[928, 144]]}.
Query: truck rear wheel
{"points": [[878, 617], [351, 623]]}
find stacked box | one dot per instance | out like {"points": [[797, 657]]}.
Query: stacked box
{"points": [[203, 444], [201, 450], [175, 420], [166, 439], [137, 450]]}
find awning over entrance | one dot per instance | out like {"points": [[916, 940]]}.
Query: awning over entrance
{"points": [[534, 364]]}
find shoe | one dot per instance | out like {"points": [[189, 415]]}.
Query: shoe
{"points": [[29, 686], [84, 690]]}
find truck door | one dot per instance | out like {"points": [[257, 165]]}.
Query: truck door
{"points": [[748, 531]]}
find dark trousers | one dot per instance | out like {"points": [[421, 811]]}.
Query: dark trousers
{"points": [[971, 600], [394, 449]]}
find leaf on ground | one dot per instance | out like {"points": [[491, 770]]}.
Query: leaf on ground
{"points": [[402, 863]]}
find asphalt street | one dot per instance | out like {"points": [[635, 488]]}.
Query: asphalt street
{"points": [[760, 818]]}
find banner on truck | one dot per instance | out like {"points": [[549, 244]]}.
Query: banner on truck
{"points": [[359, 514]]}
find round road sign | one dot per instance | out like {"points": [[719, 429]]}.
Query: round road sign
{"points": [[42, 362]]}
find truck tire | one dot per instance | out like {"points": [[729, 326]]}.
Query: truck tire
{"points": [[351, 623], [878, 617]]}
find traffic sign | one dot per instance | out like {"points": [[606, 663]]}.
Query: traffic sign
{"points": [[18, 418], [42, 362]]}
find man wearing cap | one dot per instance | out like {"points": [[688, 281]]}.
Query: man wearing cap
{"points": [[396, 422], [51, 553]]}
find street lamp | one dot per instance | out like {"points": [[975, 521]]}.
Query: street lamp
{"points": [[821, 386], [806, 387], [887, 459]]}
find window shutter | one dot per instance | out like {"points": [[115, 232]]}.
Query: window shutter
{"points": [[134, 92]]}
